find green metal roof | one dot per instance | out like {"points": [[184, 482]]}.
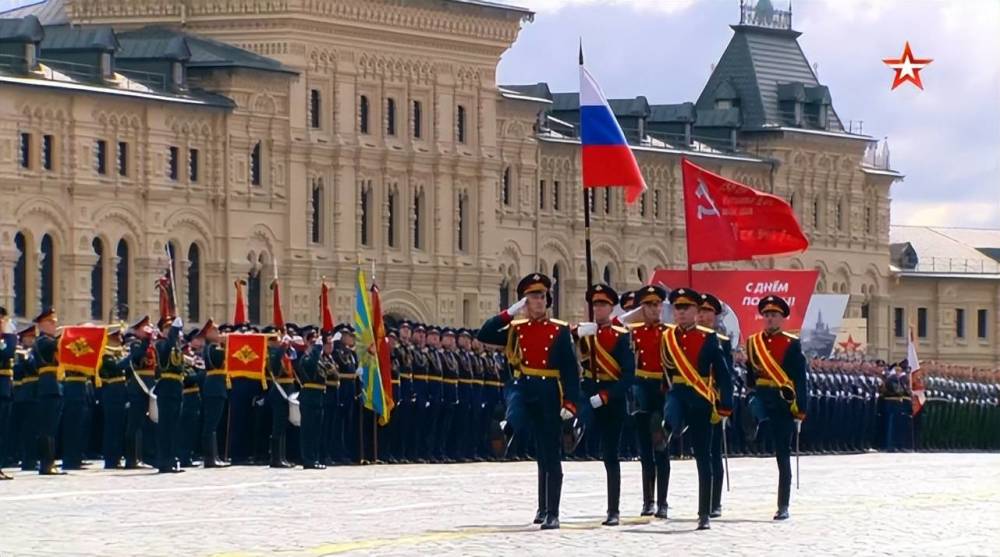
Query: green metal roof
{"points": [[64, 38], [169, 48], [683, 112], [22, 30], [206, 52]]}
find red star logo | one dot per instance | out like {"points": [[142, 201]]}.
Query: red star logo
{"points": [[850, 345], [907, 68]]}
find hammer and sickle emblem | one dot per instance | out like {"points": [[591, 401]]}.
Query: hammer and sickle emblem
{"points": [[701, 192]]}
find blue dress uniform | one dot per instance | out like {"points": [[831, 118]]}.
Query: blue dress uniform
{"points": [[114, 398], [492, 399], [138, 429], [280, 373], [312, 375], [169, 391], [546, 381], [450, 413], [776, 369], [462, 419], [74, 419], [406, 403], [419, 356], [24, 422], [701, 390], [8, 349], [390, 447], [711, 303], [435, 398], [45, 361], [608, 363], [214, 392], [246, 388], [189, 431], [348, 407], [648, 396], [332, 444]]}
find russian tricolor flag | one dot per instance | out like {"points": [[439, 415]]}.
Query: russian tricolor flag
{"points": [[607, 159]]}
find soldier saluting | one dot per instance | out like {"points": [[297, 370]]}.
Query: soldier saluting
{"points": [[546, 381], [608, 368], [777, 372]]}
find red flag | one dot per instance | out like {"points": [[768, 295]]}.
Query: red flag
{"points": [[167, 311], [240, 314], [246, 356], [324, 308], [277, 319], [728, 221], [384, 358], [81, 348]]}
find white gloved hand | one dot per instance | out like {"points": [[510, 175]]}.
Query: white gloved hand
{"points": [[9, 327], [178, 322], [586, 329], [286, 339], [337, 336], [565, 414], [596, 401], [318, 341], [630, 315], [517, 307]]}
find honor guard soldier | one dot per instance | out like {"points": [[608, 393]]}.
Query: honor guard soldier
{"points": [[391, 431], [332, 436], [449, 415], [312, 374], [546, 382], [49, 391], [406, 404], [435, 393], [647, 393], [709, 310], [8, 350], [246, 388], [214, 392], [114, 398], [701, 390], [350, 390], [777, 373], [608, 369], [25, 420], [421, 394], [139, 381], [194, 376], [281, 381], [170, 375]]}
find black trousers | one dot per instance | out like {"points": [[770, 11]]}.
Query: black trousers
{"points": [[167, 431], [5, 437], [780, 425], [211, 410], [113, 407], [684, 407], [610, 419], [311, 430], [136, 422], [718, 472]]}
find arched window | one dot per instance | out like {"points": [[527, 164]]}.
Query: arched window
{"points": [[366, 195], [363, 114], [194, 283], [122, 279], [391, 202], [607, 274], [97, 281], [607, 201], [556, 289], [504, 293], [255, 165], [461, 124], [48, 276], [316, 226], [463, 219], [390, 116], [505, 187], [840, 215], [418, 220], [20, 277], [253, 294]]}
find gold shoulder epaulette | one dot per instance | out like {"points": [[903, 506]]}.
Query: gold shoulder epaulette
{"points": [[621, 330], [635, 325], [790, 335], [517, 322], [721, 336], [559, 322], [705, 330]]}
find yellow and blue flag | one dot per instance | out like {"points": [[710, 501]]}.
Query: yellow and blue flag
{"points": [[374, 364]]}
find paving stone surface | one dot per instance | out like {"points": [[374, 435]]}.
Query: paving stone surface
{"points": [[871, 504]]}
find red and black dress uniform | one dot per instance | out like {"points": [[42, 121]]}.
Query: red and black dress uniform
{"points": [[169, 388], [648, 395], [701, 392], [546, 380], [608, 363], [776, 372], [49, 393], [710, 302]]}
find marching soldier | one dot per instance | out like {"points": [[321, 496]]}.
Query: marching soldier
{"points": [[609, 368], [709, 310], [695, 367], [170, 375], [194, 376], [214, 392], [777, 373], [114, 398], [143, 358], [546, 384], [647, 393], [49, 391], [8, 350], [312, 374]]}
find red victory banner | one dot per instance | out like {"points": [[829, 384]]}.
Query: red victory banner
{"points": [[741, 290], [81, 348], [728, 221], [246, 356]]}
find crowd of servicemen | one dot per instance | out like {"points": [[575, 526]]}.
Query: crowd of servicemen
{"points": [[451, 390]]}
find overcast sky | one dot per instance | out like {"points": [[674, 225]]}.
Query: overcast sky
{"points": [[945, 139]]}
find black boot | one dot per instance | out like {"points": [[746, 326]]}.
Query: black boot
{"points": [[782, 514], [553, 485], [4, 476], [283, 452], [277, 459], [614, 495], [540, 513], [662, 481], [47, 457], [648, 481], [703, 523], [130, 461]]}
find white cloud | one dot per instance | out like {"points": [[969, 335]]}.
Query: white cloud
{"points": [[973, 214]]}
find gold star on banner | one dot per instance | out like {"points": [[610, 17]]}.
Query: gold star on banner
{"points": [[80, 347], [246, 355]]}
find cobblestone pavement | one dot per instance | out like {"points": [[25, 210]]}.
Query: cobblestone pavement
{"points": [[874, 504]]}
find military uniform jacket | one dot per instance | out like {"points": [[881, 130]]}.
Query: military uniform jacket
{"points": [[347, 366], [170, 370], [143, 358], [279, 367], [435, 374], [787, 351], [44, 358], [649, 351], [449, 376], [608, 362], [537, 347], [114, 365], [8, 349], [25, 380], [401, 354], [700, 346], [216, 383], [310, 372]]}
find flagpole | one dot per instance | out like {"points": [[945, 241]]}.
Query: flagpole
{"points": [[588, 196], [687, 230]]}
